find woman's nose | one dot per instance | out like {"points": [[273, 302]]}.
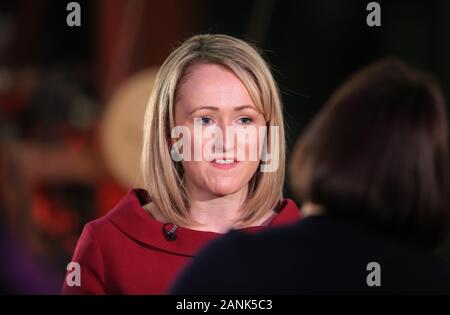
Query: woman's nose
{"points": [[225, 143]]}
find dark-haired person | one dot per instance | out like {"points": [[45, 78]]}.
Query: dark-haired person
{"points": [[372, 172]]}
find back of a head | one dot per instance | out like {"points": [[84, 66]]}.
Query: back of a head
{"points": [[378, 153]]}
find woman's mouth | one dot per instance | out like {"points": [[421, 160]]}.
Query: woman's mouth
{"points": [[224, 164]]}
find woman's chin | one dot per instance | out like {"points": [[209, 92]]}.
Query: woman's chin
{"points": [[223, 189]]}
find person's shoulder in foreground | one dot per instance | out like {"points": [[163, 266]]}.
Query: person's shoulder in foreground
{"points": [[318, 255]]}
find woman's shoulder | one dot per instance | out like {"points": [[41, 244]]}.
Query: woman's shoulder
{"points": [[98, 227], [287, 212], [122, 217]]}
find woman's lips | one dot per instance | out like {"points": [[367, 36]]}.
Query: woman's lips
{"points": [[224, 164]]}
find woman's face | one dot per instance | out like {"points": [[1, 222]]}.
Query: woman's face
{"points": [[213, 97]]}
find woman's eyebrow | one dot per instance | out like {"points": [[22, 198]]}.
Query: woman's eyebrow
{"points": [[203, 107], [238, 108]]}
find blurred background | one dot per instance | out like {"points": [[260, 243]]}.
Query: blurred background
{"points": [[72, 98]]}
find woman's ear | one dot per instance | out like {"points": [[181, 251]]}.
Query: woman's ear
{"points": [[173, 149], [171, 141]]}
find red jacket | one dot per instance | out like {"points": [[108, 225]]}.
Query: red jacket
{"points": [[126, 252]]}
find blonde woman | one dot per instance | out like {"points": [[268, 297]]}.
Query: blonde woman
{"points": [[198, 185]]}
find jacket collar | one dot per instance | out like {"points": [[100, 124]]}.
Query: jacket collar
{"points": [[130, 217]]}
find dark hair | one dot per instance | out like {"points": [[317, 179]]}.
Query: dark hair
{"points": [[378, 153]]}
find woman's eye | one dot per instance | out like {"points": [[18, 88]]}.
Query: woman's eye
{"points": [[206, 120], [245, 120]]}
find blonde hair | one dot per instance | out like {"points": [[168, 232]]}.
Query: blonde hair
{"points": [[163, 177]]}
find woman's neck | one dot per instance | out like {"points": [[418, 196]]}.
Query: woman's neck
{"points": [[311, 209], [216, 213]]}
